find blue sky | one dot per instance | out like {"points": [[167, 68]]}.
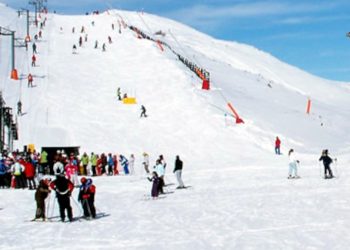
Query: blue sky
{"points": [[309, 34]]}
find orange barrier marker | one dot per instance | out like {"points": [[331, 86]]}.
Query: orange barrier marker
{"points": [[206, 84], [308, 107], [14, 74], [238, 119]]}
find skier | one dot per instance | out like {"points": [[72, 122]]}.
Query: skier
{"points": [[159, 168], [119, 94], [87, 197], [277, 146], [74, 49], [178, 171], [40, 34], [82, 29], [293, 171], [131, 164], [40, 195], [29, 171], [93, 161], [115, 166], [34, 48], [104, 47], [19, 108], [63, 188], [3, 172], [326, 163], [30, 80], [155, 185], [109, 39], [86, 38], [125, 163], [110, 163], [72, 172], [96, 44], [85, 161], [143, 111], [80, 41], [146, 162], [33, 60], [17, 170], [44, 168]]}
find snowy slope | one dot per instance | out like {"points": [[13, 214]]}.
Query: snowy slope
{"points": [[239, 198]]}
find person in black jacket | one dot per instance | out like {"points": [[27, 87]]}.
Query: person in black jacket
{"points": [[178, 172], [63, 188], [326, 162]]}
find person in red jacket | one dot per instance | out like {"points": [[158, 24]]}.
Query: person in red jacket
{"points": [[30, 80], [33, 60], [87, 197], [278, 146], [63, 188], [29, 171]]}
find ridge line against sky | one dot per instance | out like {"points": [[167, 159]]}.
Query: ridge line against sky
{"points": [[309, 35]]}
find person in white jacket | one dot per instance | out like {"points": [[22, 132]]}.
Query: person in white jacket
{"points": [[293, 165]]}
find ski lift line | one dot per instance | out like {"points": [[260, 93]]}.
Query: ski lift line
{"points": [[181, 48]]}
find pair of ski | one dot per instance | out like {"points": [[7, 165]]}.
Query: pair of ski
{"points": [[80, 218]]}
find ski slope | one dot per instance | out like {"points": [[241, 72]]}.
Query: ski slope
{"points": [[239, 199]]}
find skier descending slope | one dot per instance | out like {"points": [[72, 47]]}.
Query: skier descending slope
{"points": [[326, 163], [178, 172], [293, 165]]}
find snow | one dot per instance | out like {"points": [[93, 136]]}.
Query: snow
{"points": [[239, 196]]}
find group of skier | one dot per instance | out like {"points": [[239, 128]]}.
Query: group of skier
{"points": [[293, 162]]}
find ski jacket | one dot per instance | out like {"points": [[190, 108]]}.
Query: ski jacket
{"points": [[43, 158], [123, 160], [93, 160], [178, 165], [159, 168], [3, 168], [326, 160], [110, 161], [29, 169], [85, 160], [17, 169], [278, 143], [62, 186], [42, 191], [87, 191], [292, 158]]}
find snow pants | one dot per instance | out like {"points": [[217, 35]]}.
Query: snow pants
{"points": [[178, 174], [88, 207], [293, 169], [64, 204], [328, 169]]}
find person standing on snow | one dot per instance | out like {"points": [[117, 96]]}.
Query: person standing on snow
{"points": [[30, 80], [85, 161], [63, 188], [131, 164], [93, 161], [155, 185], [159, 168], [34, 48], [326, 163], [40, 195], [178, 172], [293, 165], [146, 162], [143, 111], [278, 146], [125, 164], [110, 163], [17, 170], [87, 197], [33, 60]]}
